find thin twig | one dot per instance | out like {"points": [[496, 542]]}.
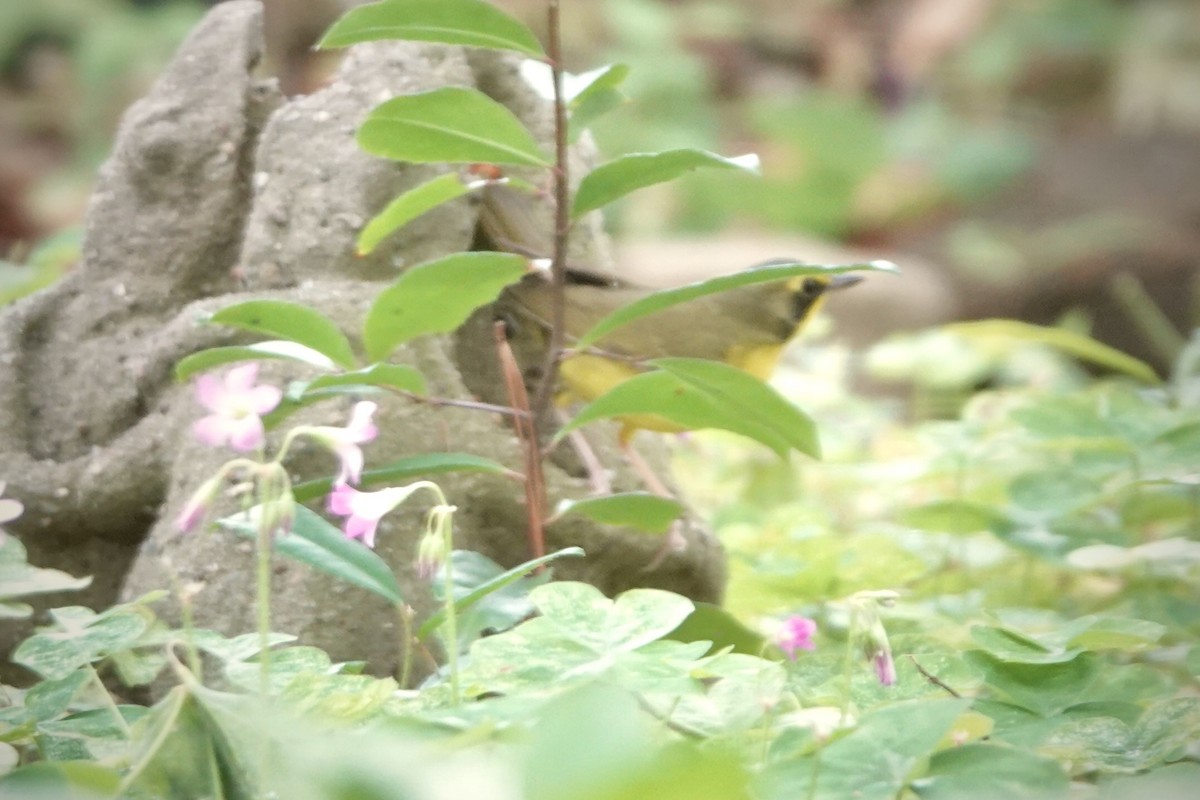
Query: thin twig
{"points": [[473, 405], [929, 676]]}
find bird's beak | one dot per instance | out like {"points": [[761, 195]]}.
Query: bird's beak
{"points": [[843, 281]]}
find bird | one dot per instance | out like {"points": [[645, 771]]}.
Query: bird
{"points": [[747, 327]]}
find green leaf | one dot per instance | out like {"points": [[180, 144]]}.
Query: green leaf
{"points": [[471, 23], [641, 510], [436, 297], [875, 761], [711, 623], [18, 578], [500, 610], [692, 394], [1073, 344], [410, 205], [283, 667], [1045, 689], [239, 648], [1014, 647], [1114, 633], [315, 542], [218, 356], [991, 771], [956, 516], [79, 637], [50, 698], [405, 468], [179, 743], [636, 618], [293, 322], [492, 585], [619, 177], [449, 125], [766, 273], [396, 376], [598, 97], [59, 780]]}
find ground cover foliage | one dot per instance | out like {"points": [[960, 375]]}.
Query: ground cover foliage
{"points": [[1001, 603]]}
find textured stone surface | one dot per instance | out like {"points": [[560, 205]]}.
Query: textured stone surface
{"points": [[219, 190]]}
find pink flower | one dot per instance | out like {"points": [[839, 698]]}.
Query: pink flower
{"points": [[345, 441], [794, 634], [885, 667], [237, 406], [364, 509]]}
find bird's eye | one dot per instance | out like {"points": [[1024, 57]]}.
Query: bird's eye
{"points": [[812, 287]]}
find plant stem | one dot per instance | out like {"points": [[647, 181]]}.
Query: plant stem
{"points": [[562, 220], [405, 613], [263, 604], [451, 616], [109, 703]]}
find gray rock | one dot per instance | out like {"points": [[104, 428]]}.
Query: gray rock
{"points": [[220, 190]]}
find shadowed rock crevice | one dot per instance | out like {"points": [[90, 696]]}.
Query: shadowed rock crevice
{"points": [[218, 191]]}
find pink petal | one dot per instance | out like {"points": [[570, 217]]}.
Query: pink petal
{"points": [[885, 668], [211, 430], [245, 433], [263, 399], [340, 500], [352, 464], [362, 528], [374, 505], [361, 428], [210, 391], [240, 380]]}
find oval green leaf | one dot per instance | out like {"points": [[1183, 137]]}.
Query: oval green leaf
{"points": [[436, 297], [291, 321], [449, 125], [472, 23], [619, 177], [694, 393], [275, 349], [641, 510], [320, 545], [598, 97], [395, 376], [410, 205], [405, 469], [764, 273], [499, 582], [1071, 343]]}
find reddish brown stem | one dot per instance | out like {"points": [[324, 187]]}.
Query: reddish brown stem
{"points": [[535, 484]]}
